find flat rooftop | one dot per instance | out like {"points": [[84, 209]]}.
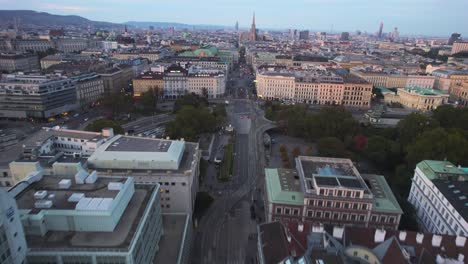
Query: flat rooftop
{"points": [[173, 239], [330, 172], [120, 238], [384, 200], [439, 169], [45, 133], [139, 144], [26, 200], [283, 186]]}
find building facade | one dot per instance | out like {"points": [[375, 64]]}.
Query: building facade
{"points": [[146, 81], [330, 191], [439, 192], [314, 87], [13, 246], [459, 46], [36, 96], [89, 89], [18, 62], [417, 98]]}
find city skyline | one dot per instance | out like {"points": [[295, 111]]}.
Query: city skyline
{"points": [[416, 17]]}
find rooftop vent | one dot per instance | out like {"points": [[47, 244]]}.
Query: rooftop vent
{"points": [[114, 186], [65, 184], [76, 197], [43, 204], [40, 194]]}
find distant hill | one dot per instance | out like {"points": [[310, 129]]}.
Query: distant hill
{"points": [[43, 19], [172, 24]]}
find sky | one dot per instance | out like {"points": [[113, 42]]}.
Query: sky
{"points": [[412, 17]]}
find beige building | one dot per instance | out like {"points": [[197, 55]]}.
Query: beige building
{"points": [[146, 81], [459, 93], [209, 81], [460, 46], [322, 87], [151, 56], [381, 79], [417, 98], [446, 78], [18, 62]]}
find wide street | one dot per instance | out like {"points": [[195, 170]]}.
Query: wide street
{"points": [[225, 230]]}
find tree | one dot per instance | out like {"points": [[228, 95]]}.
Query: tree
{"points": [[100, 124], [190, 100], [205, 92], [149, 100], [438, 144], [118, 103], [332, 147], [451, 117], [383, 152], [190, 122], [414, 125]]}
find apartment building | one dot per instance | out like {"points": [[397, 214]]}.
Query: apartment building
{"points": [[18, 62], [439, 192], [32, 45], [116, 79], [330, 191], [69, 45], [38, 96], [324, 87], [446, 78], [394, 80], [210, 81], [175, 81], [459, 93], [148, 80], [459, 46]]}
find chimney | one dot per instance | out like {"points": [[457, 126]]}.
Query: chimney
{"points": [[436, 240], [338, 232], [460, 241], [317, 229], [419, 238], [379, 235], [300, 227], [108, 132], [402, 236]]}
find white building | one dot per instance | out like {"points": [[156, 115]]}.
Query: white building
{"points": [[173, 164], [12, 242], [439, 195], [213, 81]]}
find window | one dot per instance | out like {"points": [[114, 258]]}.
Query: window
{"points": [[279, 210], [295, 211], [183, 184], [366, 257], [361, 217], [310, 213], [336, 216], [355, 253], [329, 203], [353, 217], [287, 211], [318, 214], [173, 183], [337, 204], [344, 217], [391, 219], [327, 215], [320, 203], [346, 205]]}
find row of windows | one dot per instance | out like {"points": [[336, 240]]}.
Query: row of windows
{"points": [[338, 204], [340, 193]]}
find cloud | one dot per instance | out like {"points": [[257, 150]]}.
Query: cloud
{"points": [[69, 8]]}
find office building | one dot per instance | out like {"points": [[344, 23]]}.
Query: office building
{"points": [[395, 79], [459, 47], [116, 79], [439, 192], [174, 164], [302, 243], [81, 217], [330, 191], [89, 88], [69, 45], [454, 37], [379, 35], [304, 35], [344, 36], [146, 81], [417, 98], [18, 62], [324, 87], [37, 96], [13, 246], [32, 45]]}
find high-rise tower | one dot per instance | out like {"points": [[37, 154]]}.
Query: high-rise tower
{"points": [[253, 30], [380, 29], [237, 26]]}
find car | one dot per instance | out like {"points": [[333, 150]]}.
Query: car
{"points": [[86, 119], [76, 115]]}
